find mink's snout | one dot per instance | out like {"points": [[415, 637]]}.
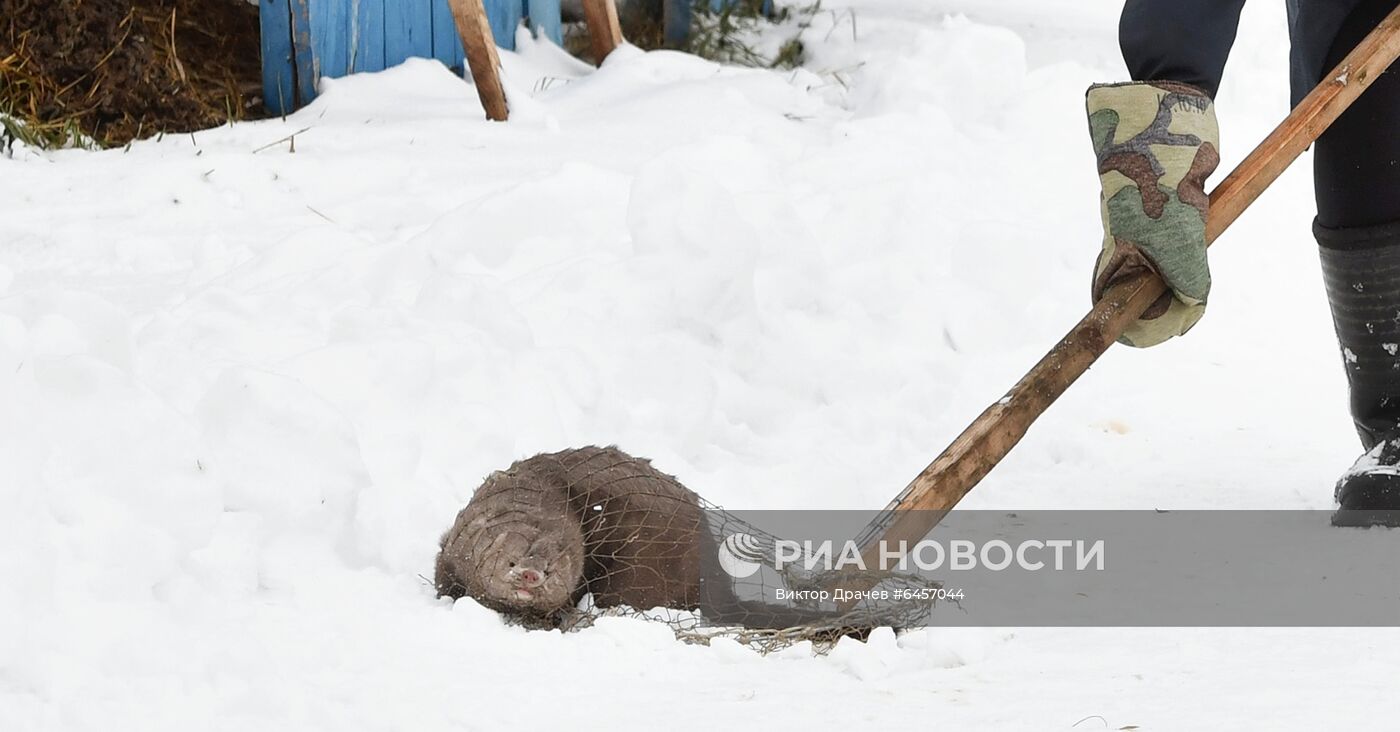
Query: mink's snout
{"points": [[525, 577]]}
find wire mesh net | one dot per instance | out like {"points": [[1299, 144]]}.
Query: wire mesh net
{"points": [[559, 539]]}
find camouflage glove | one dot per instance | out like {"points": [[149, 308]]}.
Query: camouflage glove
{"points": [[1156, 144]]}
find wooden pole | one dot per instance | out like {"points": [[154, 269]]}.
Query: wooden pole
{"points": [[916, 510], [603, 28], [480, 47]]}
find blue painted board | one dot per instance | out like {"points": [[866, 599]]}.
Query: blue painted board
{"points": [[331, 28], [307, 70], [504, 17], [545, 19], [447, 43], [675, 29], [275, 21], [367, 34], [718, 5], [408, 30]]}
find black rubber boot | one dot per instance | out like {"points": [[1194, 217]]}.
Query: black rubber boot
{"points": [[1361, 268]]}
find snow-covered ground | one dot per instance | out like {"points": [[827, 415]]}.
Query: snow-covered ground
{"points": [[242, 389]]}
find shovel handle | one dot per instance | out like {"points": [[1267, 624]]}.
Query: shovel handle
{"points": [[917, 509]]}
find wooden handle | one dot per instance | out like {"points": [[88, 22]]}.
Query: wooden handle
{"points": [[482, 59], [916, 510]]}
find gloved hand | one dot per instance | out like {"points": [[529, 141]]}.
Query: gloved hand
{"points": [[1156, 143]]}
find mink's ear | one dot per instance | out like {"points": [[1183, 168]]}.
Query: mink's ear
{"points": [[495, 476]]}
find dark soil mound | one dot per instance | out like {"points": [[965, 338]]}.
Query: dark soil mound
{"points": [[116, 70]]}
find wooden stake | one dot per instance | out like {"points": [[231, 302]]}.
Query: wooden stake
{"points": [[603, 28], [916, 510], [480, 46]]}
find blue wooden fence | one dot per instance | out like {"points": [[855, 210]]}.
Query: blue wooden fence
{"points": [[303, 40]]}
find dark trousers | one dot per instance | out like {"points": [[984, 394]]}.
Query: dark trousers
{"points": [[1356, 165]]}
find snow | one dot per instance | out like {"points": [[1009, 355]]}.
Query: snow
{"points": [[244, 389]]}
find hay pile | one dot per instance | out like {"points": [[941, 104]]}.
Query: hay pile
{"points": [[115, 70]]}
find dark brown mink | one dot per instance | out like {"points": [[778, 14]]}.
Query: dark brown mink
{"points": [[539, 535]]}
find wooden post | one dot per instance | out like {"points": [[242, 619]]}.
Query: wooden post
{"points": [[916, 510], [603, 28], [485, 64]]}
